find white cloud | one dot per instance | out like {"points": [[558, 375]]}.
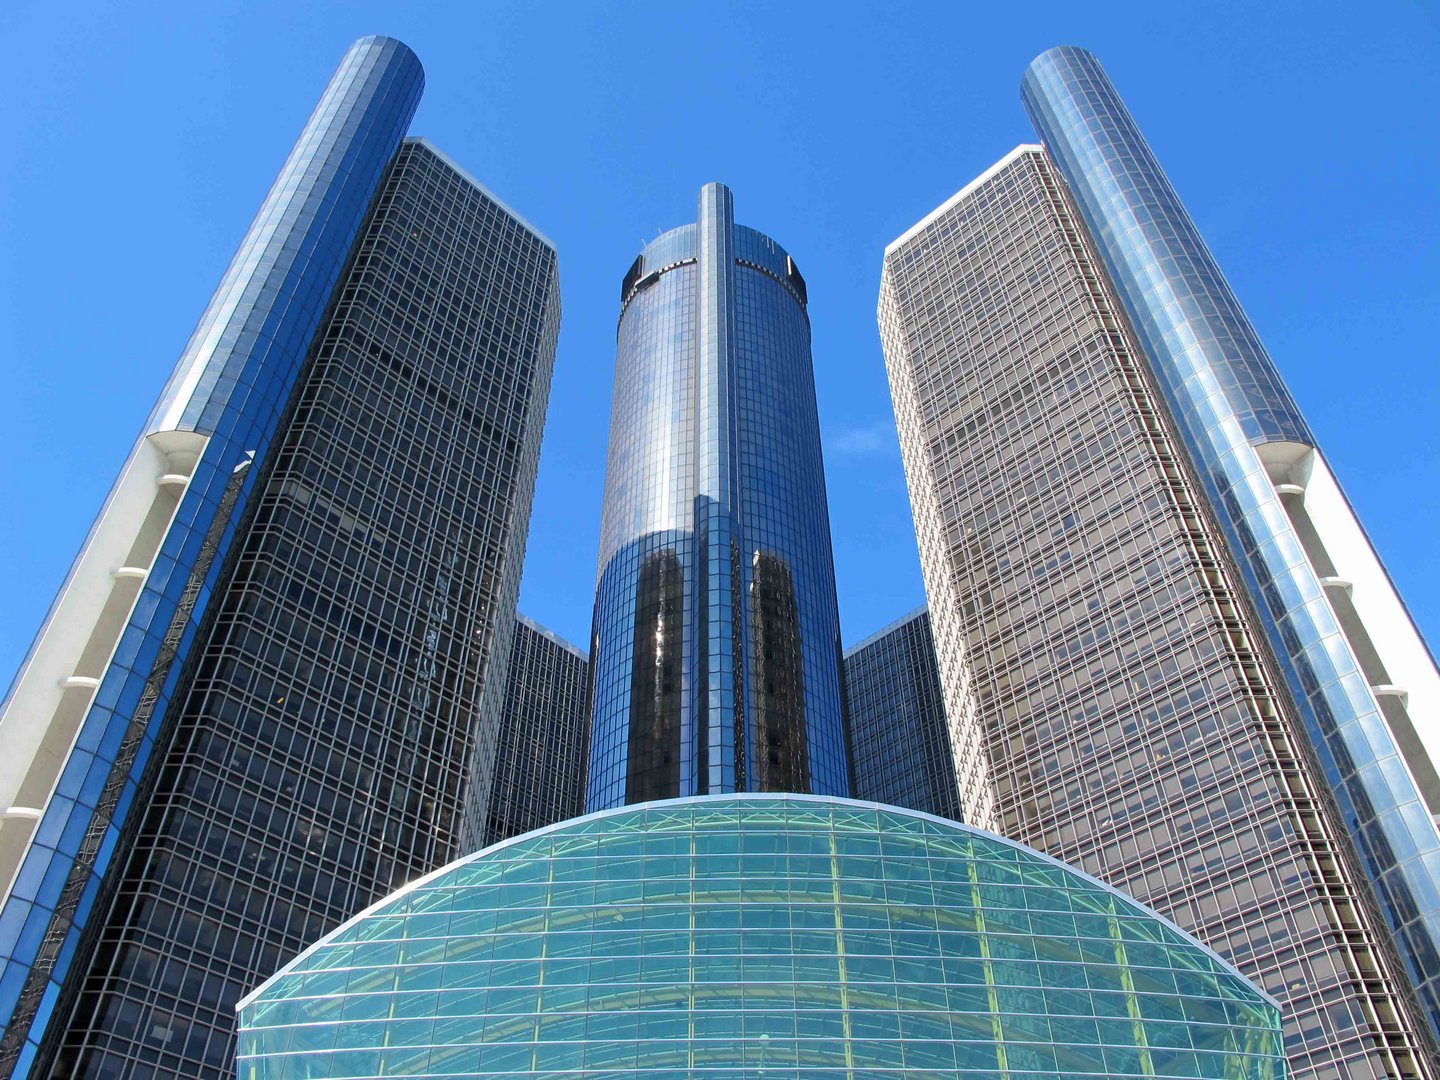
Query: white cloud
{"points": [[863, 441]]}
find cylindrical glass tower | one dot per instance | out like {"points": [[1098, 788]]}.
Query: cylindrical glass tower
{"points": [[716, 639]]}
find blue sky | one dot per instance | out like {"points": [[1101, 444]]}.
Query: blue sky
{"points": [[140, 139]]}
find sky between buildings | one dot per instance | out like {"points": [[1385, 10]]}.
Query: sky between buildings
{"points": [[140, 139]]}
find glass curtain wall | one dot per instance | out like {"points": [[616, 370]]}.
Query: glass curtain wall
{"points": [[755, 936], [716, 637]]}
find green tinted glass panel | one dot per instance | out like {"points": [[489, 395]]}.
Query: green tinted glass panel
{"points": [[750, 936]]}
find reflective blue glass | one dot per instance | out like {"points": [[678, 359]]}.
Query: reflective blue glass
{"points": [[230, 385], [716, 638], [1231, 407]]}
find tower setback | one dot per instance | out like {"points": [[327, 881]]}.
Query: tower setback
{"points": [[897, 720], [539, 770]]}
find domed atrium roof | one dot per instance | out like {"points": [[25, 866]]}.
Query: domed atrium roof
{"points": [[783, 936]]}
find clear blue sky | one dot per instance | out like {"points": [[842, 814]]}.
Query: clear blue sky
{"points": [[140, 138]]}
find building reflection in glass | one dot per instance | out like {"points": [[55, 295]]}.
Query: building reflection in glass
{"points": [[716, 638]]}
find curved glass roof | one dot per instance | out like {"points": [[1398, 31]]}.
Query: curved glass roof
{"points": [[759, 935]]}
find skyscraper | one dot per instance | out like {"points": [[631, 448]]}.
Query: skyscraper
{"points": [[318, 541], [1365, 684], [898, 730], [539, 770], [716, 645], [743, 934], [1115, 693]]}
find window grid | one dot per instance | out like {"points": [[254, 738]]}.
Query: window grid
{"points": [[333, 732], [1107, 701]]}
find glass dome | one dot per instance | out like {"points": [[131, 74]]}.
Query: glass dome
{"points": [[783, 936]]}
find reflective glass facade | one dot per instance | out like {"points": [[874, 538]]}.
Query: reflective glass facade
{"points": [[1111, 697], [716, 638], [898, 731], [326, 739], [231, 386], [207, 822], [1235, 416], [544, 728], [753, 935]]}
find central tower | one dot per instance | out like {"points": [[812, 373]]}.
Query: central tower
{"points": [[716, 640]]}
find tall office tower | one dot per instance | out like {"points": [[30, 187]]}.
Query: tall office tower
{"points": [[1113, 698], [898, 731], [740, 933], [316, 548], [1365, 684], [539, 772], [716, 644]]}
